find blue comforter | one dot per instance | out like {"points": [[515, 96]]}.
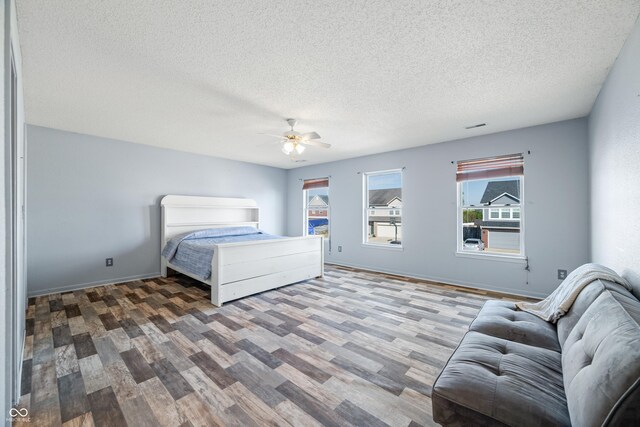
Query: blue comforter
{"points": [[193, 251]]}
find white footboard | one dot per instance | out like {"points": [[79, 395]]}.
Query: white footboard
{"points": [[246, 268]]}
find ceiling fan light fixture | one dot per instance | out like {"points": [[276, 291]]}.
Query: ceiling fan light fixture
{"points": [[288, 147], [299, 148]]}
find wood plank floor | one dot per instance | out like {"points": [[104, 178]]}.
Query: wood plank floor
{"points": [[353, 348]]}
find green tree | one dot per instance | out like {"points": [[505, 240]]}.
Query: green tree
{"points": [[471, 215]]}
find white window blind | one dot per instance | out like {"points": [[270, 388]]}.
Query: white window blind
{"points": [[315, 183]]}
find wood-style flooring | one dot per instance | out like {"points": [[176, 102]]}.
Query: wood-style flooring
{"points": [[353, 348]]}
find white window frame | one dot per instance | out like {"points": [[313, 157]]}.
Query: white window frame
{"points": [[305, 214], [365, 209], [521, 257]]}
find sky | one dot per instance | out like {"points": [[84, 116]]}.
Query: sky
{"points": [[317, 191], [387, 180]]}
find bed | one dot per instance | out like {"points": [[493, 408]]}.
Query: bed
{"points": [[240, 266]]}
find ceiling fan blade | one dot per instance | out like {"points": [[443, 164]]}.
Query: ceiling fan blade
{"points": [[310, 135], [269, 143], [270, 134], [316, 143]]}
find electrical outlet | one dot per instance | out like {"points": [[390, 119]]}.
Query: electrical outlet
{"points": [[339, 248], [562, 274], [109, 262]]}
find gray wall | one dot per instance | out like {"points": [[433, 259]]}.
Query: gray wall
{"points": [[614, 152], [91, 198], [556, 203]]}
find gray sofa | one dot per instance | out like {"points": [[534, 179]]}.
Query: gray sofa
{"points": [[514, 369]]}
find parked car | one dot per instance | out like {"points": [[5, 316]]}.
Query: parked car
{"points": [[473, 245]]}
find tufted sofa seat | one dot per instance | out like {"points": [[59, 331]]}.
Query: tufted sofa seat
{"points": [[514, 369]]}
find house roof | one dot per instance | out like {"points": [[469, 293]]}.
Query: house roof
{"points": [[384, 197], [505, 199], [323, 198], [495, 189], [500, 224]]}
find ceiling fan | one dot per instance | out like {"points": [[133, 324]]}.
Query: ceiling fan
{"points": [[294, 142]]}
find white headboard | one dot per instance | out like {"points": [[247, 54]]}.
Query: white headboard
{"points": [[181, 214]]}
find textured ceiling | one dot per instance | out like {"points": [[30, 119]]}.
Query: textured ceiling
{"points": [[369, 76]]}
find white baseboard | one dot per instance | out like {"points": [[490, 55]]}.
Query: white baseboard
{"points": [[79, 286], [517, 292], [511, 291]]}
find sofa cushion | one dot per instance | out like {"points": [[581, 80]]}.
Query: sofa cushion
{"points": [[601, 362], [450, 414], [510, 382], [501, 319], [588, 295]]}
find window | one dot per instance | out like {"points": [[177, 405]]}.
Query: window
{"points": [[383, 208], [490, 207], [316, 207]]}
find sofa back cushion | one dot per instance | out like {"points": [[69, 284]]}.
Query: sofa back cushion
{"points": [[588, 295], [601, 362]]}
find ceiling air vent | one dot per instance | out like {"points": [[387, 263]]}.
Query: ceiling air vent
{"points": [[479, 125]]}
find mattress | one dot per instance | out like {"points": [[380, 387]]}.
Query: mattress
{"points": [[193, 251]]}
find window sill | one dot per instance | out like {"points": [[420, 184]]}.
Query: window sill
{"points": [[386, 247], [493, 257]]}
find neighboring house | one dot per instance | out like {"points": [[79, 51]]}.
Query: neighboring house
{"points": [[318, 215], [318, 207], [500, 226], [385, 213]]}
